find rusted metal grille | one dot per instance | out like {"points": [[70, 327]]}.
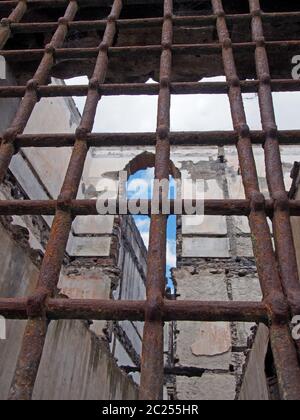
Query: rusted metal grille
{"points": [[277, 269]]}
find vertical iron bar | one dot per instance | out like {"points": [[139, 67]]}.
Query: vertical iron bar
{"points": [[152, 372], [28, 362], [281, 220], [261, 236]]}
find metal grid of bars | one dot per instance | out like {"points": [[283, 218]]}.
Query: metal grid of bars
{"points": [[277, 269]]}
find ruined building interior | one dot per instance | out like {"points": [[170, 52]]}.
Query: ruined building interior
{"points": [[90, 314]]}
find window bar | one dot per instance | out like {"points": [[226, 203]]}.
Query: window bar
{"points": [[89, 25], [262, 243], [35, 333], [248, 86], [227, 207], [121, 310], [136, 50], [152, 375], [15, 16], [281, 219], [36, 328], [186, 138], [31, 98]]}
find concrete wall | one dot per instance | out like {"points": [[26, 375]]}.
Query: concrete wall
{"points": [[215, 262], [254, 386], [133, 268], [76, 364], [220, 347]]}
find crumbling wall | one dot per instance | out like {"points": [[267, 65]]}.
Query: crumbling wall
{"points": [[220, 348], [94, 273], [75, 364], [215, 262]]}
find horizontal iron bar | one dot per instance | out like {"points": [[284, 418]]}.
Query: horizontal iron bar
{"points": [[184, 88], [61, 53], [82, 3], [189, 371], [92, 309], [89, 207], [187, 138], [10, 4], [150, 22]]}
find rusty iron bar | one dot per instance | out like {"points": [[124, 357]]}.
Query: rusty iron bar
{"points": [[186, 138], [36, 328], [82, 3], [30, 99], [179, 88], [68, 53], [262, 244], [228, 207], [281, 220], [90, 25], [137, 310], [261, 237], [6, 23], [24, 379], [152, 363]]}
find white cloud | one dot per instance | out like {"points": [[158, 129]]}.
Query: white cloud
{"points": [[145, 237], [171, 253], [143, 225]]}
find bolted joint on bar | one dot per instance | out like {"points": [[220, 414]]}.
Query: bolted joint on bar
{"points": [[50, 49], [257, 201], [220, 14], [168, 16], [81, 133], [163, 132], [271, 131], [63, 21], [104, 47], [243, 130], [36, 303], [64, 202], [10, 135], [281, 201], [112, 18], [234, 82], [6, 22], [32, 85], [227, 44], [154, 309], [166, 45], [260, 42], [165, 82], [265, 79], [256, 13], [94, 84], [278, 308]]}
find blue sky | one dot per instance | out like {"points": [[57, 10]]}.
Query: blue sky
{"points": [[143, 222]]}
